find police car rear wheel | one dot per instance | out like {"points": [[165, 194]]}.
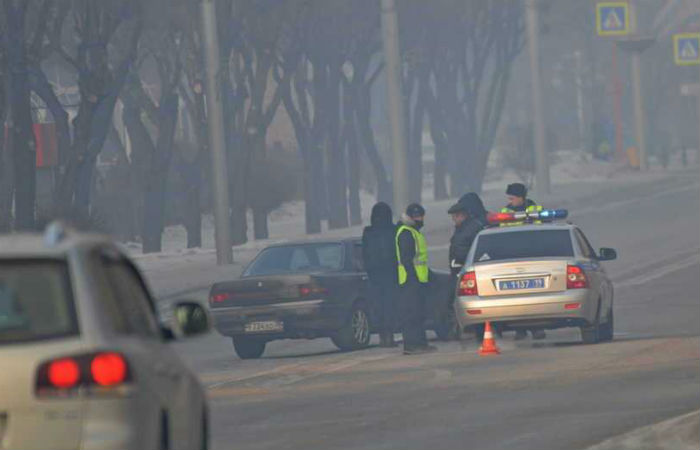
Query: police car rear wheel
{"points": [[591, 334], [607, 330]]}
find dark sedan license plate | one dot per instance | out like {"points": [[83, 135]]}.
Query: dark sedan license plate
{"points": [[267, 326], [516, 285]]}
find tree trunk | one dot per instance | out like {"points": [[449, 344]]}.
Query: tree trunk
{"points": [[154, 197], [366, 134], [302, 134], [260, 227], [6, 183], [437, 134], [20, 131], [41, 87], [353, 155], [337, 178]]}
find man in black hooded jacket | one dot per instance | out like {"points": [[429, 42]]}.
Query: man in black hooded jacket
{"points": [[379, 257], [469, 217]]}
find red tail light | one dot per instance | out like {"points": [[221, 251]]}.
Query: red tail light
{"points": [[308, 290], [576, 278], [220, 298], [63, 373], [108, 369], [467, 285], [63, 376]]}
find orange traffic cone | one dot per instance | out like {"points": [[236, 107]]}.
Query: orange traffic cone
{"points": [[489, 347]]}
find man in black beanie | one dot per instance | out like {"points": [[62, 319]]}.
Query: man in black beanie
{"points": [[413, 277]]}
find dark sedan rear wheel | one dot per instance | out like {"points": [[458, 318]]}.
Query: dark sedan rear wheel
{"points": [[248, 348], [356, 332]]}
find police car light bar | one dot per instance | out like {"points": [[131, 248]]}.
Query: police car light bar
{"points": [[524, 216]]}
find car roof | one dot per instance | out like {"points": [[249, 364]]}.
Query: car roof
{"points": [[314, 242], [35, 245], [529, 227]]}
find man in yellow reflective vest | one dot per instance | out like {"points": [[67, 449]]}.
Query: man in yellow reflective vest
{"points": [[413, 278], [518, 202]]}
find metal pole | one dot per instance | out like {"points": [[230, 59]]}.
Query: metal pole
{"points": [[215, 119], [617, 86], [390, 29], [639, 114], [542, 185], [579, 101]]}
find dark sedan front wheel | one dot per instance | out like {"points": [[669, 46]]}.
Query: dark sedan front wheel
{"points": [[355, 333], [248, 348]]}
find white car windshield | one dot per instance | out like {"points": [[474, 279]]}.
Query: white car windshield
{"points": [[35, 301]]}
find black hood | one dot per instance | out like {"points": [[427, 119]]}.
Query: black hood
{"points": [[381, 215], [473, 205]]}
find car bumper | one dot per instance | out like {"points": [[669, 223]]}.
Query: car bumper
{"points": [[303, 319], [93, 424], [553, 309]]}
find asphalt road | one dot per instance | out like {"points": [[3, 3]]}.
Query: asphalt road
{"points": [[552, 394]]}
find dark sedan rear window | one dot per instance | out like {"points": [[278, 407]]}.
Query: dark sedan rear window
{"points": [[524, 244], [35, 301], [297, 259]]}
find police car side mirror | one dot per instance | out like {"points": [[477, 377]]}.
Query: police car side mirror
{"points": [[607, 254]]}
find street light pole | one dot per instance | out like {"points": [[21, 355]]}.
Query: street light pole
{"points": [[390, 30], [215, 119], [639, 113], [542, 182]]}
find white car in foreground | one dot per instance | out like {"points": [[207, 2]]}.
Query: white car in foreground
{"points": [[84, 363]]}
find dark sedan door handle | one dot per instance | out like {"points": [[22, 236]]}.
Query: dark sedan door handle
{"points": [[365, 278]]}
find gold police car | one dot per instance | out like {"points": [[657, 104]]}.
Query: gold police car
{"points": [[536, 276]]}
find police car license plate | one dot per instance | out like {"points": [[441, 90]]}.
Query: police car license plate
{"points": [[266, 326], [514, 285]]}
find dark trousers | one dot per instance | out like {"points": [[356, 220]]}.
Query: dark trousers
{"points": [[382, 294], [412, 302]]}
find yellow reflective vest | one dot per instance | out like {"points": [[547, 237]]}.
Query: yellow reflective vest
{"points": [[532, 207], [420, 261]]}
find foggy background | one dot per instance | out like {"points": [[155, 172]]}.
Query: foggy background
{"points": [[105, 109]]}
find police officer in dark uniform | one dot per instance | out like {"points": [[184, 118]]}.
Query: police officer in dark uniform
{"points": [[413, 277]]}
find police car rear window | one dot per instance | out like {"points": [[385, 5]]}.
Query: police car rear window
{"points": [[36, 302], [524, 244]]}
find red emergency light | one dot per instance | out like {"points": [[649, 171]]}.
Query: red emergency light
{"points": [[547, 215]]}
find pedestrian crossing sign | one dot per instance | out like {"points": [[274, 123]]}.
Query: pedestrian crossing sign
{"points": [[686, 49], [612, 18]]}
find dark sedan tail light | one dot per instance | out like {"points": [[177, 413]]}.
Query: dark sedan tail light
{"points": [[92, 373], [220, 297], [311, 290]]}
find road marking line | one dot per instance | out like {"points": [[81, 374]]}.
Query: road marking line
{"points": [[662, 272]]}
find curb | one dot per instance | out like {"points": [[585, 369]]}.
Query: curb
{"points": [[678, 433]]}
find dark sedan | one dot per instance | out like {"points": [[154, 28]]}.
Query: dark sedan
{"points": [[308, 290]]}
